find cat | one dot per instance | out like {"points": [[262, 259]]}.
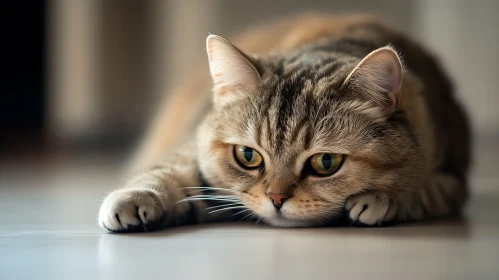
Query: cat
{"points": [[311, 121]]}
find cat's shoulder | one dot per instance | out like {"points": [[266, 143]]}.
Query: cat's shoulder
{"points": [[294, 32]]}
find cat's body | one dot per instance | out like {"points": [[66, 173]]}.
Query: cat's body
{"points": [[314, 93]]}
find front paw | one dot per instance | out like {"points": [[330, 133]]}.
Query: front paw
{"points": [[370, 209], [132, 209]]}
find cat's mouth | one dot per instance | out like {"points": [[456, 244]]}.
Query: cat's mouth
{"points": [[288, 216]]}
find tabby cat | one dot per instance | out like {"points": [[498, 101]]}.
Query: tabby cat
{"points": [[312, 121]]}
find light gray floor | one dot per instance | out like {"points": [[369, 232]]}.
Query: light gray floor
{"points": [[48, 230]]}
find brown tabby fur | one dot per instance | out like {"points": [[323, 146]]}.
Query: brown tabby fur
{"points": [[410, 165]]}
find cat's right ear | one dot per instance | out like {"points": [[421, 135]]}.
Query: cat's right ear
{"points": [[234, 75], [378, 77]]}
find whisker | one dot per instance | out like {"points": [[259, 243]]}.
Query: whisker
{"points": [[213, 196], [223, 205], [247, 216], [227, 208], [241, 211], [208, 198], [319, 221], [211, 188]]}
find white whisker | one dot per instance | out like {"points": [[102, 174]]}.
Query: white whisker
{"points": [[207, 198], [227, 208], [213, 196], [241, 211], [223, 205], [319, 221], [249, 216], [210, 188]]}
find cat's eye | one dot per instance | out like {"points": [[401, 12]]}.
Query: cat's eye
{"points": [[326, 164], [247, 157]]}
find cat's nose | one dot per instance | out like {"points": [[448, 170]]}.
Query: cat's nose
{"points": [[278, 199]]}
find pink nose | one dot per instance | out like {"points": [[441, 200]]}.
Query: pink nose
{"points": [[278, 199]]}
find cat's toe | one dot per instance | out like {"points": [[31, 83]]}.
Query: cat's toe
{"points": [[369, 209], [130, 210]]}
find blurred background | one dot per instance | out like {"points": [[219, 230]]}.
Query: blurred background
{"points": [[86, 75]]}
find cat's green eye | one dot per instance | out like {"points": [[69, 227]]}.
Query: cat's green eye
{"points": [[326, 164], [247, 157]]}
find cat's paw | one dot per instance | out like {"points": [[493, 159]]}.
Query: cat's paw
{"points": [[132, 209], [370, 209]]}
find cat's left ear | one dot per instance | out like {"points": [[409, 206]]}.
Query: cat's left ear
{"points": [[234, 74], [378, 77]]}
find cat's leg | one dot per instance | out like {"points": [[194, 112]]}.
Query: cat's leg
{"points": [[442, 196], [150, 200]]}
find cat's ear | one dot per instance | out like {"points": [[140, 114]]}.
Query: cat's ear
{"points": [[378, 77], [233, 74]]}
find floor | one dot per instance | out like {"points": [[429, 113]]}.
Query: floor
{"points": [[48, 230]]}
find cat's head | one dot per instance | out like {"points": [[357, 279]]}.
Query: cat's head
{"points": [[293, 136]]}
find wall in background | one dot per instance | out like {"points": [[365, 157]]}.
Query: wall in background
{"points": [[465, 36], [115, 60]]}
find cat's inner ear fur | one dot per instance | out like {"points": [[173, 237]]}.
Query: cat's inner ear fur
{"points": [[378, 78], [234, 75]]}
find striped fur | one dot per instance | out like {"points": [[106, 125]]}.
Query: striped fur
{"points": [[290, 100]]}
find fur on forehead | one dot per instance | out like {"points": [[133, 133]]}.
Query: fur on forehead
{"points": [[330, 122]]}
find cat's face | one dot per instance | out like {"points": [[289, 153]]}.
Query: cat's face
{"points": [[293, 145]]}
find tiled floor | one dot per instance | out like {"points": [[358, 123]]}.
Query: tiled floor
{"points": [[48, 230]]}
